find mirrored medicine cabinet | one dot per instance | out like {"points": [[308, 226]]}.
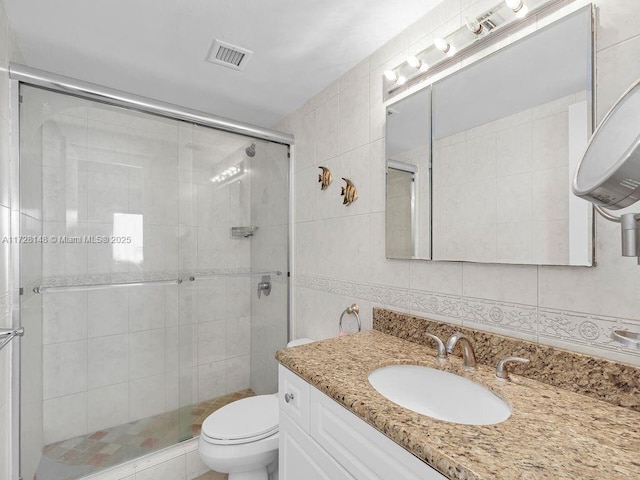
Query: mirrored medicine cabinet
{"points": [[480, 163]]}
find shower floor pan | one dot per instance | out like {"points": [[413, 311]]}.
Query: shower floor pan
{"points": [[80, 456]]}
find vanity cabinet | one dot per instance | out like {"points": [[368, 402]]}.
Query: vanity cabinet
{"points": [[320, 439]]}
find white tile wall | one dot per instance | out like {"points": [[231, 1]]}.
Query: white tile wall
{"points": [[331, 254]]}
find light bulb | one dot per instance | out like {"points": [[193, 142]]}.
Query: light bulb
{"points": [[424, 67], [523, 11], [390, 75], [474, 25], [402, 80], [414, 61], [442, 45], [518, 7]]}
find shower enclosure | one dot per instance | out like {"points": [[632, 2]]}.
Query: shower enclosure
{"points": [[147, 248]]}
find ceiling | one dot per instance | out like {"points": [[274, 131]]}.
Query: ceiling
{"points": [[157, 48]]}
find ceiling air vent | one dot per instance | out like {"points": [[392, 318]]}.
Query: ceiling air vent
{"points": [[231, 56]]}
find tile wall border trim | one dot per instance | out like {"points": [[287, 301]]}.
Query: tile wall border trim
{"points": [[584, 331]]}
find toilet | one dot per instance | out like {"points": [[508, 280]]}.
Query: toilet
{"points": [[241, 438]]}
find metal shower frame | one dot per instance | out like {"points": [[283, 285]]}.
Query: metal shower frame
{"points": [[21, 74]]}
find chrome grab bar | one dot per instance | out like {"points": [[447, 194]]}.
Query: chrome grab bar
{"points": [[144, 283], [102, 286], [7, 334], [213, 276]]}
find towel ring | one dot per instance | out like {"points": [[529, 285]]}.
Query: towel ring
{"points": [[352, 310]]}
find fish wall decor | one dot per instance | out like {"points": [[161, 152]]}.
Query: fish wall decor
{"points": [[325, 178], [349, 192]]}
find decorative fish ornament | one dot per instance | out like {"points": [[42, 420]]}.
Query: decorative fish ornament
{"points": [[325, 178], [349, 192]]}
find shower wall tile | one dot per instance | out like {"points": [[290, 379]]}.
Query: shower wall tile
{"points": [[146, 397], [64, 417], [69, 258], [146, 308], [65, 317], [238, 336], [108, 312], [100, 256], [238, 373], [107, 406], [212, 300], [212, 380], [108, 193], [146, 353], [212, 342], [112, 351], [65, 368], [238, 297]]}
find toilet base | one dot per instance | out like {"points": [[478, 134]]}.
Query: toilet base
{"points": [[260, 474]]}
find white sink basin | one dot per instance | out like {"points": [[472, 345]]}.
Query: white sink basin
{"points": [[439, 394]]}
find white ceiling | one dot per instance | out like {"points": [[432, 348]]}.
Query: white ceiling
{"points": [[157, 48]]}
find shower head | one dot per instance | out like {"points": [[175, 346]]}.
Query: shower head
{"points": [[251, 150]]}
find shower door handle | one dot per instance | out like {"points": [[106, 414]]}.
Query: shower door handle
{"points": [[264, 286], [6, 335]]}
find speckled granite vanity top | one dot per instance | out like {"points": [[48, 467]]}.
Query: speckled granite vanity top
{"points": [[551, 434]]}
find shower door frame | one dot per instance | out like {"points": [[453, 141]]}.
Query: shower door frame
{"points": [[21, 74]]}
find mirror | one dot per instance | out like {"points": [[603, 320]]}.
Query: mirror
{"points": [[609, 172], [408, 204], [507, 133]]}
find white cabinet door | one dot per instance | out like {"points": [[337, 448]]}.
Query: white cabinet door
{"points": [[362, 450], [293, 393], [303, 459]]}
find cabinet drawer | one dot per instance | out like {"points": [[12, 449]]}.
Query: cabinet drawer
{"points": [[302, 458], [362, 450], [293, 394]]}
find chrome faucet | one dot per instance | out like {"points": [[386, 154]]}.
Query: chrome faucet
{"points": [[442, 350], [501, 369], [468, 355]]}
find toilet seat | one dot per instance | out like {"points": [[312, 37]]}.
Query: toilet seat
{"points": [[243, 421]]}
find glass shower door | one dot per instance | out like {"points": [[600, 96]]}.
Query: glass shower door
{"points": [[141, 305]]}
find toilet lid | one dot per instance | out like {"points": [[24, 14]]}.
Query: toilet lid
{"points": [[244, 419]]}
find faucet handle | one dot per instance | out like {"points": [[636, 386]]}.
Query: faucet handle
{"points": [[502, 372], [442, 350]]}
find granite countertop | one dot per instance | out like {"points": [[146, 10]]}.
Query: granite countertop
{"points": [[551, 434]]}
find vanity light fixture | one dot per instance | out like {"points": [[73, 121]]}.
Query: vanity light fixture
{"points": [[475, 30], [518, 7]]}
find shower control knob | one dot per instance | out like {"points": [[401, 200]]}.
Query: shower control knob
{"points": [[288, 397]]}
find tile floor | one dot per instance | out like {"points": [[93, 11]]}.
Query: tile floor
{"points": [[80, 456], [212, 476]]}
